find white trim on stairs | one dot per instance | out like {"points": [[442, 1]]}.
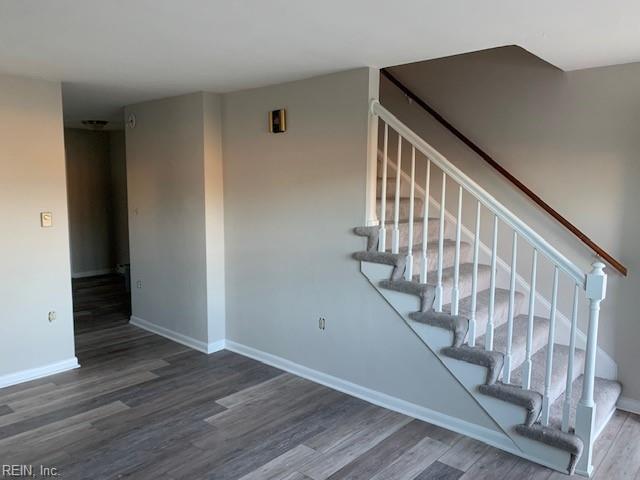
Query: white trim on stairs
{"points": [[629, 405], [178, 337], [38, 372]]}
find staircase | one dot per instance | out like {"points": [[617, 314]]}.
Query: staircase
{"points": [[531, 370]]}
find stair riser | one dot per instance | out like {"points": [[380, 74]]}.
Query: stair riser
{"points": [[403, 209], [465, 283], [433, 232], [518, 347], [391, 187], [466, 254], [500, 315], [558, 374]]}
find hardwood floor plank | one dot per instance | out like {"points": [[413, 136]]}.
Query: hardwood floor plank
{"points": [[237, 456], [19, 439], [282, 465], [441, 471], [385, 452], [262, 391], [354, 445], [443, 435], [494, 464], [293, 476], [530, 471], [413, 461], [35, 414], [623, 461], [361, 419], [606, 439], [6, 395], [464, 453]]}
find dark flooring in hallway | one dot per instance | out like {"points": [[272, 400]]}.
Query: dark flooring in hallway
{"points": [[143, 407]]}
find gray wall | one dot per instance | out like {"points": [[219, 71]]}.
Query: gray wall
{"points": [[168, 225], [291, 201], [36, 275], [571, 137]]}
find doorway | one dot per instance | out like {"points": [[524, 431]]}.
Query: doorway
{"points": [[98, 229]]}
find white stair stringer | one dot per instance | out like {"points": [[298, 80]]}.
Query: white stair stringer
{"points": [[506, 415]]}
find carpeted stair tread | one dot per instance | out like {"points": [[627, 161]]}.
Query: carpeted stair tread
{"points": [[371, 233], [605, 393], [425, 291], [527, 399], [397, 260], [456, 324], [556, 438], [558, 372], [501, 308], [493, 361], [519, 342]]}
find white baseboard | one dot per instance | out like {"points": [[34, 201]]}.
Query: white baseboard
{"points": [[629, 405], [92, 273], [492, 437], [38, 372], [178, 337]]}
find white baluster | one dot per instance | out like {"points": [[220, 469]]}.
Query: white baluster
{"points": [[526, 378], [474, 280], [409, 268], [596, 288], [383, 197], [546, 401], [512, 294], [566, 408], [488, 345], [371, 214], [425, 224], [438, 300], [455, 293], [395, 235]]}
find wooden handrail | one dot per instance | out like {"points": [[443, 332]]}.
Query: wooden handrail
{"points": [[521, 186]]}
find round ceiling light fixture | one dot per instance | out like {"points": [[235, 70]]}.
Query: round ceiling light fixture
{"points": [[95, 124]]}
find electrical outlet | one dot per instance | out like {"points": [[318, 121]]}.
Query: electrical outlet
{"points": [[139, 284], [322, 323], [51, 316]]}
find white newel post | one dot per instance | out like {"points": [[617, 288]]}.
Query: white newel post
{"points": [[372, 169], [596, 289]]}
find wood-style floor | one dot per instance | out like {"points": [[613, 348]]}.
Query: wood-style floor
{"points": [[143, 407]]}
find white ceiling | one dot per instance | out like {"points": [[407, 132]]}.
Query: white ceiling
{"points": [[110, 53]]}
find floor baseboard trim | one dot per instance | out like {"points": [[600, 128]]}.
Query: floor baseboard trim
{"points": [[93, 273], [178, 337], [478, 432], [38, 372], [629, 405]]}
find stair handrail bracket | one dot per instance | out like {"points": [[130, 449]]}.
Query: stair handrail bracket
{"points": [[487, 200]]}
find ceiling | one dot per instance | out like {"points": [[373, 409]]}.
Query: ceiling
{"points": [[111, 53]]}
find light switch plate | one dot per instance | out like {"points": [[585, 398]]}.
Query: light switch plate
{"points": [[46, 219]]}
